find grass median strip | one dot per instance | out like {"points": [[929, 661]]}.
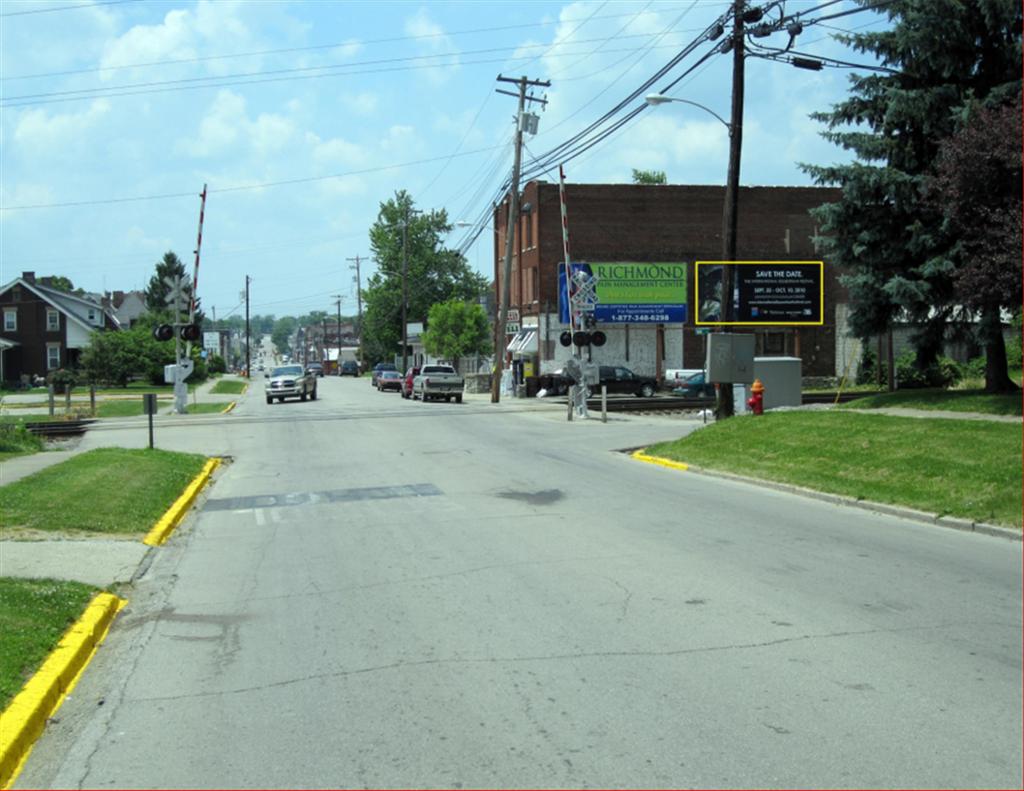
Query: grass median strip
{"points": [[969, 469], [939, 399], [229, 387], [34, 614], [108, 490]]}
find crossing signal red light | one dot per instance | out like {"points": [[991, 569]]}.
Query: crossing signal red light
{"points": [[565, 338], [189, 332], [164, 332], [598, 338]]}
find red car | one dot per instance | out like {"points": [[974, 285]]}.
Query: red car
{"points": [[407, 381], [389, 380]]}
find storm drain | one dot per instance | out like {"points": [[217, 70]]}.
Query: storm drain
{"points": [[334, 496]]}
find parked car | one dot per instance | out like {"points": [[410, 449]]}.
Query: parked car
{"points": [[617, 379], [389, 380], [381, 367], [349, 368], [316, 369], [695, 387], [411, 374], [438, 383], [290, 381]]}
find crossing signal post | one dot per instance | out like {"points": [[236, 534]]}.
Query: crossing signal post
{"points": [[188, 332]]}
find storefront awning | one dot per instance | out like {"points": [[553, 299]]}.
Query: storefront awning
{"points": [[525, 341]]}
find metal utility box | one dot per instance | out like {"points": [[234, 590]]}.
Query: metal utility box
{"points": [[781, 377], [730, 357], [169, 371]]}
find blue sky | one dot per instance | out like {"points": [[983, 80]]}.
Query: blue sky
{"points": [[348, 101]]}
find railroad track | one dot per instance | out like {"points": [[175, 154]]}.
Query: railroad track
{"points": [[670, 403], [59, 428]]}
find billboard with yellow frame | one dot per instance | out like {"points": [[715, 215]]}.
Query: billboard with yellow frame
{"points": [[765, 293]]}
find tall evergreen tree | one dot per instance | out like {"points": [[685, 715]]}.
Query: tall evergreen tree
{"points": [[896, 246], [157, 293]]}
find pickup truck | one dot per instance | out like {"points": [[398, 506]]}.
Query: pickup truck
{"points": [[290, 381], [437, 382]]}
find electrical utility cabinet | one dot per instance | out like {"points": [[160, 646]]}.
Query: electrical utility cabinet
{"points": [[730, 358], [781, 377]]}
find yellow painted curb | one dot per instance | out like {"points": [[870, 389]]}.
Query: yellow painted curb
{"points": [[639, 455], [24, 719], [162, 529], [228, 408]]}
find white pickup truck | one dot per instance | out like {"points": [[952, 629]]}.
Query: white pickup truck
{"points": [[437, 383]]}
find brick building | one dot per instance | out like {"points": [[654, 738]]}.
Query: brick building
{"points": [[44, 328], [657, 223]]}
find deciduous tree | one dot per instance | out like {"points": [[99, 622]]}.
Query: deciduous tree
{"points": [[456, 329]]}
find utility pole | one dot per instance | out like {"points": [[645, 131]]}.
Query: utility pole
{"points": [[248, 361], [513, 217], [405, 291], [732, 186], [359, 303], [337, 302]]}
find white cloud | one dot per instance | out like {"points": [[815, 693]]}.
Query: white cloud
{"points": [[363, 104], [227, 125], [40, 131], [433, 41]]}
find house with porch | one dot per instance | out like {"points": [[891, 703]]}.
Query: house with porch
{"points": [[43, 329]]}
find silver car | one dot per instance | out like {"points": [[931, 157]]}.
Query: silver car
{"points": [[290, 381]]}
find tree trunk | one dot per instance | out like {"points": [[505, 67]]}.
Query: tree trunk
{"points": [[997, 378]]}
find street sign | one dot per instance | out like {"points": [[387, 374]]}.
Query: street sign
{"points": [[512, 327], [512, 314], [702, 331]]}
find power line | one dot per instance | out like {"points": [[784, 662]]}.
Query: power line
{"points": [[243, 187], [66, 8], [223, 81], [287, 50]]}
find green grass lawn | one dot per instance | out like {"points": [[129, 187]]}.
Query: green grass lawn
{"points": [[963, 468], [938, 398], [34, 614], [207, 408], [109, 490], [229, 387]]}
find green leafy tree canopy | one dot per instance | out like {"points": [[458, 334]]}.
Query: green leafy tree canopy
{"points": [[649, 177], [456, 329]]}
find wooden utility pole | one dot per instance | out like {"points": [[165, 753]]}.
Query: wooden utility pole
{"points": [[359, 303], [732, 188], [513, 219]]}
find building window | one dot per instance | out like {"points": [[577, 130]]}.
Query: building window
{"points": [[52, 320], [10, 319], [94, 316], [52, 356], [528, 222]]}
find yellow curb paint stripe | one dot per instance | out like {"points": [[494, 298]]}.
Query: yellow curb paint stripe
{"points": [[639, 455], [228, 408], [162, 529], [23, 720]]}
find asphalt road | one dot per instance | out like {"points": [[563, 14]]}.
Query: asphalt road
{"points": [[385, 593]]}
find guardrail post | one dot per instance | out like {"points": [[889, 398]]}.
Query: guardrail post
{"points": [[604, 403], [92, 399]]}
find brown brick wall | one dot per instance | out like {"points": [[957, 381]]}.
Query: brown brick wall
{"points": [[629, 222]]}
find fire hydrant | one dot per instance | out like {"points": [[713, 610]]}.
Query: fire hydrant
{"points": [[756, 400]]}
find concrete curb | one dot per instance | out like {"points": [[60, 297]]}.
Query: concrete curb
{"points": [[952, 522], [24, 719], [229, 407], [165, 526]]}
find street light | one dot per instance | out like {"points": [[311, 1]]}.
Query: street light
{"points": [[655, 99], [729, 208]]}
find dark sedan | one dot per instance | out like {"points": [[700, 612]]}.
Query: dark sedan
{"points": [[695, 387], [389, 380]]}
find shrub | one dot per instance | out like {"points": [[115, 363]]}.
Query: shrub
{"points": [[215, 364], [62, 379], [16, 438]]}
